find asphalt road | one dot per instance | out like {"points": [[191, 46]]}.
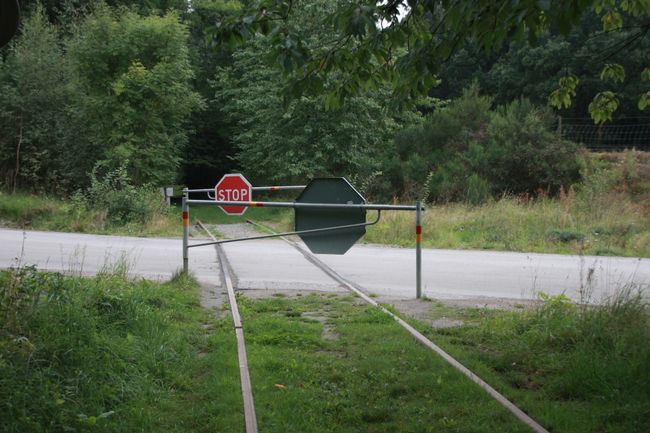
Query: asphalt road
{"points": [[273, 264]]}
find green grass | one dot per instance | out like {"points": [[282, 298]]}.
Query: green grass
{"points": [[115, 355], [579, 369], [78, 354], [214, 215], [55, 214], [370, 377], [31, 212], [545, 225]]}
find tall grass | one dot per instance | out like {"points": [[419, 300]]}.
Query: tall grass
{"points": [[586, 367], [567, 224], [110, 354], [58, 214]]}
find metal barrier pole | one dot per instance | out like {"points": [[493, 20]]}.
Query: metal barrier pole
{"points": [[418, 251], [186, 231]]}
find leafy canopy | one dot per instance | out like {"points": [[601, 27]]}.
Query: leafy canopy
{"points": [[404, 42]]}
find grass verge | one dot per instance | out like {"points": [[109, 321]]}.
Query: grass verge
{"points": [[54, 214], [112, 355], [577, 368], [32, 212], [510, 224]]}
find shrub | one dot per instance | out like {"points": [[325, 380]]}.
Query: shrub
{"points": [[124, 203], [467, 152], [524, 155]]}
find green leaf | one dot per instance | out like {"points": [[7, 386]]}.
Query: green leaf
{"points": [[613, 72], [612, 21], [562, 96], [603, 105], [645, 74], [644, 101]]}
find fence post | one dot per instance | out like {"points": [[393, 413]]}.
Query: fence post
{"points": [[418, 250], [186, 230]]}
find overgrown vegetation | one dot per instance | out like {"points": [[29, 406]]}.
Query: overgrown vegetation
{"points": [[111, 87], [118, 355], [78, 354], [606, 214], [468, 152], [111, 204], [586, 367]]}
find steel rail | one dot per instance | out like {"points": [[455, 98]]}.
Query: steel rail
{"points": [[296, 205], [496, 395], [299, 232], [244, 376]]}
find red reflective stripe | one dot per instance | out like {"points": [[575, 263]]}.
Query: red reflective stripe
{"points": [[256, 204], [186, 215], [418, 230], [274, 188]]}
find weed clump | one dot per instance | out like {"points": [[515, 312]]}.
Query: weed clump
{"points": [[79, 353], [576, 357]]}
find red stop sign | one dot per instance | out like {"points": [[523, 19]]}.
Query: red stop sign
{"points": [[233, 187]]}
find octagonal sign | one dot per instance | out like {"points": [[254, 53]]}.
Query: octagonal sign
{"points": [[233, 187], [330, 191]]}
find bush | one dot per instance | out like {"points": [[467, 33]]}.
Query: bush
{"points": [[123, 203], [468, 152], [524, 155]]}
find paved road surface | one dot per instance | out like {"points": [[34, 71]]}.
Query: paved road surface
{"points": [[273, 264], [151, 258]]}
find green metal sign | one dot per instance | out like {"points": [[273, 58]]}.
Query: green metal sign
{"points": [[330, 191]]}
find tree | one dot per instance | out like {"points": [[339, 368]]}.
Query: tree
{"points": [[298, 139], [404, 42], [33, 97], [133, 78], [533, 72], [466, 151]]}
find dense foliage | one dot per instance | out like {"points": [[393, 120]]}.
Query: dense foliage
{"points": [[404, 42], [469, 152], [114, 92], [91, 87], [302, 139]]}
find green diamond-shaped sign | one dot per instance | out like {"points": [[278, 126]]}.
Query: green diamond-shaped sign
{"points": [[330, 191]]}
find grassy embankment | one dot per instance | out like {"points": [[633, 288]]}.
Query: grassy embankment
{"points": [[608, 213], [113, 355], [24, 211]]}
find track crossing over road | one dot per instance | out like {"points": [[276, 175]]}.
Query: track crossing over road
{"points": [[359, 291], [159, 258]]}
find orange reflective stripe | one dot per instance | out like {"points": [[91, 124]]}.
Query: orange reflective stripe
{"points": [[256, 204]]}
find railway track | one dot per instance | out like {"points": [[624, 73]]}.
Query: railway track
{"points": [[247, 394]]}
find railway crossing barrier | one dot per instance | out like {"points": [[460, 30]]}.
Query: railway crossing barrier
{"points": [[330, 214]]}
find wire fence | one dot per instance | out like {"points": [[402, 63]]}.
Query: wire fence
{"points": [[631, 133]]}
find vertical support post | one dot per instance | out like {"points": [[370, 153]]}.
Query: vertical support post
{"points": [[418, 250], [186, 231]]}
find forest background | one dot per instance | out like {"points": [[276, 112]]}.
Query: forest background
{"points": [[129, 94]]}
